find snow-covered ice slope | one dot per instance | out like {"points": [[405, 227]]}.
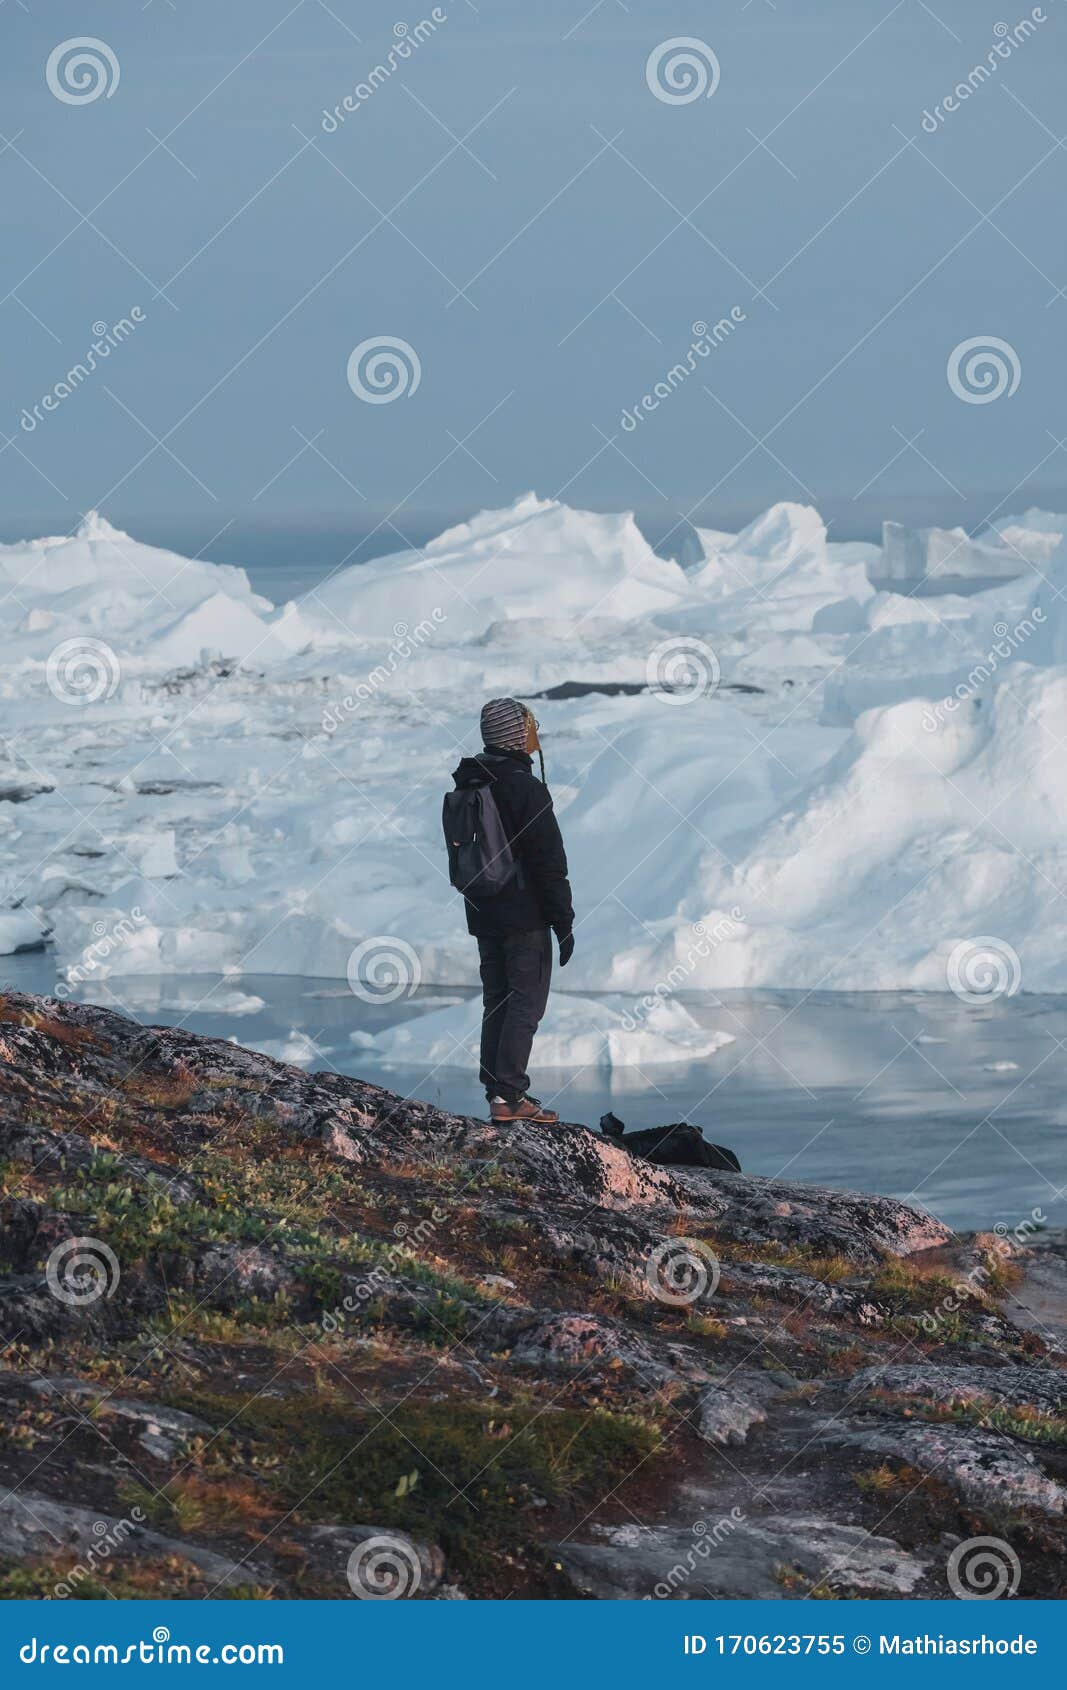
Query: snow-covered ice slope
{"points": [[804, 782], [153, 607], [537, 559]]}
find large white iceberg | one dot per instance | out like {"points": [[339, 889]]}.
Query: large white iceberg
{"points": [[150, 606], [537, 559]]}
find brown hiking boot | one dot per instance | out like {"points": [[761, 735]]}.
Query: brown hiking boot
{"points": [[526, 1109]]}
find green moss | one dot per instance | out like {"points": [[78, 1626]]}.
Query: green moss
{"points": [[951, 1328], [137, 1220], [21, 1582], [905, 1289], [470, 1476], [128, 1581], [1026, 1423], [248, 1204]]}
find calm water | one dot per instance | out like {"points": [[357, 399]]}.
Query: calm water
{"points": [[918, 1096]]}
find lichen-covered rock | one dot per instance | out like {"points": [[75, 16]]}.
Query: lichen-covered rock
{"points": [[376, 1563], [945, 1386], [1039, 1303], [982, 1467], [566, 1342], [827, 1222], [789, 1285], [88, 1052], [725, 1413], [726, 1559], [231, 1274], [163, 1432], [32, 1524]]}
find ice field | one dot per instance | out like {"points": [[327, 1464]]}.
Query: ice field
{"points": [[769, 770]]}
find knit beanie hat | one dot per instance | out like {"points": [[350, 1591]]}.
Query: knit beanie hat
{"points": [[503, 723]]}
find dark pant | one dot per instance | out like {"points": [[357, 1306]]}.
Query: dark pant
{"points": [[516, 971]]}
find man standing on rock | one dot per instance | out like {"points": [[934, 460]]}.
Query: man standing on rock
{"points": [[506, 856]]}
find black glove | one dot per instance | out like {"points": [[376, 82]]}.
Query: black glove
{"points": [[566, 947]]}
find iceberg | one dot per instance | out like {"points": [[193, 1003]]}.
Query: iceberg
{"points": [[1017, 545], [577, 1032], [847, 782], [537, 559], [152, 606]]}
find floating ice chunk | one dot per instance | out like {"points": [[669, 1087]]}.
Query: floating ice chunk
{"points": [[841, 616], [868, 876], [298, 1049], [19, 931], [575, 1033]]}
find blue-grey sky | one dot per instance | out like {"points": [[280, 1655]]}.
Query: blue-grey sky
{"points": [[516, 203]]}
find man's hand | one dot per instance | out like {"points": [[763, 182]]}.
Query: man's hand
{"points": [[566, 948]]}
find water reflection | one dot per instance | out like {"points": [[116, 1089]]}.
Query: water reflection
{"points": [[961, 1108]]}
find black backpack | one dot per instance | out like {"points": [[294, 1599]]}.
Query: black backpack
{"points": [[480, 859]]}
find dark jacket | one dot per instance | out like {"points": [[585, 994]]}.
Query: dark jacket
{"points": [[540, 895]]}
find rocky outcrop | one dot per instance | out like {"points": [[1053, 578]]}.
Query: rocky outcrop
{"points": [[257, 1305], [944, 1386], [984, 1469], [34, 1526], [781, 1556]]}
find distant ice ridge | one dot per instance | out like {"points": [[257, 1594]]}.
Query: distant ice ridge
{"points": [[1018, 545], [153, 607], [793, 780]]}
